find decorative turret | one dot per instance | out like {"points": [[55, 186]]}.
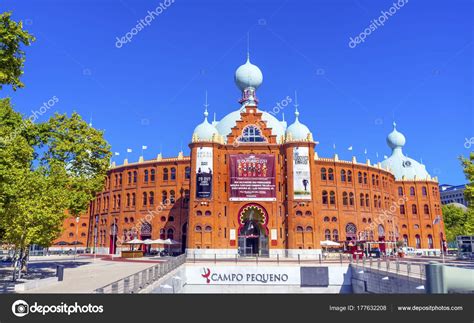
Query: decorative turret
{"points": [[298, 131]]}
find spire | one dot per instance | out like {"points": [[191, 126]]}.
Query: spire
{"points": [[248, 47], [283, 116], [206, 105], [214, 118], [296, 105], [394, 125]]}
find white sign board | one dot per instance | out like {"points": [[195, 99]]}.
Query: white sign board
{"points": [[242, 275]]}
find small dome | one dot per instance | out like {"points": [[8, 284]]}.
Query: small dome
{"points": [[297, 130], [205, 130], [248, 75], [395, 139]]}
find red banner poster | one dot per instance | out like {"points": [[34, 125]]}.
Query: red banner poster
{"points": [[252, 177]]}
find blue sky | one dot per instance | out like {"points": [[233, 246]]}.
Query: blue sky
{"points": [[416, 69]]}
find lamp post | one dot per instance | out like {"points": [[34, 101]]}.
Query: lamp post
{"points": [[75, 244]]}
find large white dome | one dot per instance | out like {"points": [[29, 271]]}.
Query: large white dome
{"points": [[297, 130], [205, 130]]}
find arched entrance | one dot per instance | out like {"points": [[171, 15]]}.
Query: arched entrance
{"points": [[113, 238], [253, 231], [184, 231], [145, 233]]}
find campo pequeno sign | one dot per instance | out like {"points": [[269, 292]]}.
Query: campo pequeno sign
{"points": [[233, 275]]}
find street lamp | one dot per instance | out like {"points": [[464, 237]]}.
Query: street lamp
{"points": [[75, 244]]}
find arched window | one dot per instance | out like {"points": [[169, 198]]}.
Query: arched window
{"points": [[173, 173], [373, 179], [134, 199], [428, 226], [405, 240], [416, 226], [332, 198], [330, 174], [208, 228], [404, 226], [144, 198], [324, 175], [119, 201], [426, 209], [413, 209], [172, 197], [362, 200], [308, 213], [145, 176], [299, 213], [162, 234], [418, 241], [207, 213], [309, 228], [365, 178], [135, 175], [334, 219], [349, 176], [251, 133], [152, 198], [367, 200], [170, 233], [351, 231], [375, 200], [187, 172], [402, 209], [171, 218], [412, 191], [351, 199], [326, 219], [152, 175], [129, 177], [430, 241], [343, 175], [84, 225], [335, 235], [299, 229], [359, 177], [345, 199], [198, 213], [325, 197], [400, 191], [381, 230], [424, 191], [165, 174], [198, 228], [164, 197], [327, 234], [128, 199]]}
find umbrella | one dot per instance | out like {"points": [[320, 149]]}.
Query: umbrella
{"points": [[134, 241], [159, 241], [148, 241], [329, 243], [171, 242]]}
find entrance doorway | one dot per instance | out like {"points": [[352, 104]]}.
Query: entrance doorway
{"points": [[253, 239]]}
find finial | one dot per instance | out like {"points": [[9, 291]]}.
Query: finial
{"points": [[214, 118], [248, 47], [283, 116], [206, 113], [296, 105], [206, 105], [394, 125]]}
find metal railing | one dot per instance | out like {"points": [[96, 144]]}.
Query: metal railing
{"points": [[136, 282], [414, 270], [332, 258]]}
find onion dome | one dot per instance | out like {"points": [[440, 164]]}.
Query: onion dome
{"points": [[205, 130], [395, 139], [248, 76], [401, 166], [297, 130]]}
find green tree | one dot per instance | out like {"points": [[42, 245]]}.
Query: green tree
{"points": [[468, 164], [12, 57], [81, 151], [457, 222]]}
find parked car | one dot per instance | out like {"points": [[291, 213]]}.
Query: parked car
{"points": [[409, 251]]}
